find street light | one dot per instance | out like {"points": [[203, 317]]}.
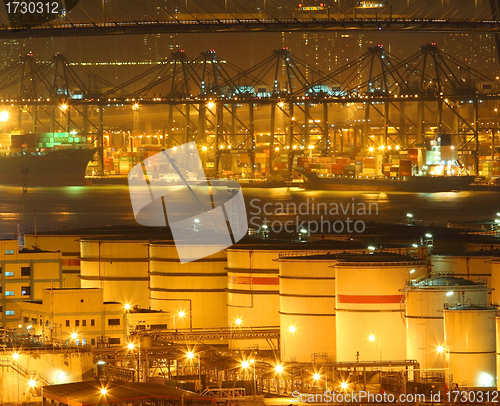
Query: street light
{"points": [[127, 306], [245, 365], [15, 356], [32, 383], [190, 355], [4, 116], [372, 338]]}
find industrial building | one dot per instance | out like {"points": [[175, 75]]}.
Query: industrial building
{"points": [[24, 274]]}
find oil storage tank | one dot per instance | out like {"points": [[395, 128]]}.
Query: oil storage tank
{"points": [[370, 305], [193, 293], [253, 283], [470, 345], [118, 265], [307, 307], [425, 302]]}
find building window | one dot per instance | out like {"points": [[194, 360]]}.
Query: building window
{"points": [[92, 341], [1, 289], [9, 293], [67, 323], [77, 323], [1, 309], [25, 271], [35, 321], [26, 319], [113, 322], [92, 322], [26, 291], [10, 273], [113, 340], [10, 313], [9, 252], [84, 323]]}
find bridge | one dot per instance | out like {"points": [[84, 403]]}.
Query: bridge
{"points": [[115, 17]]}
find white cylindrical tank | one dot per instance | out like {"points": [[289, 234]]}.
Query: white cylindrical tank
{"points": [[495, 280], [470, 345], [307, 308], [253, 286], [425, 300], [119, 267], [193, 293], [474, 266], [370, 305], [498, 350]]}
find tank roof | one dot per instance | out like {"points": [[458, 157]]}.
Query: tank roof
{"points": [[377, 257], [440, 281], [470, 307]]}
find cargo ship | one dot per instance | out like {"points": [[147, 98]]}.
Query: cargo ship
{"points": [[419, 184], [434, 168], [53, 168], [48, 159]]}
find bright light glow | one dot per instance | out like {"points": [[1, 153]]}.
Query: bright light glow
{"points": [[291, 329], [486, 379], [204, 148], [181, 314], [371, 248], [279, 368], [316, 376], [103, 391], [4, 116], [245, 364], [409, 215], [127, 306], [74, 336], [412, 271], [311, 147], [15, 356], [370, 149], [64, 106], [382, 147], [130, 346], [498, 214], [210, 105], [303, 231], [252, 361], [264, 226], [196, 220], [344, 385], [371, 337], [414, 245], [277, 148], [135, 106], [397, 147], [440, 349], [281, 104], [190, 354], [449, 293], [428, 235], [238, 321], [32, 383]]}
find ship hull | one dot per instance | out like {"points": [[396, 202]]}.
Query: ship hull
{"points": [[418, 184], [55, 168]]}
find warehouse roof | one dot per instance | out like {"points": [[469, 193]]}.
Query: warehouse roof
{"points": [[89, 393]]}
